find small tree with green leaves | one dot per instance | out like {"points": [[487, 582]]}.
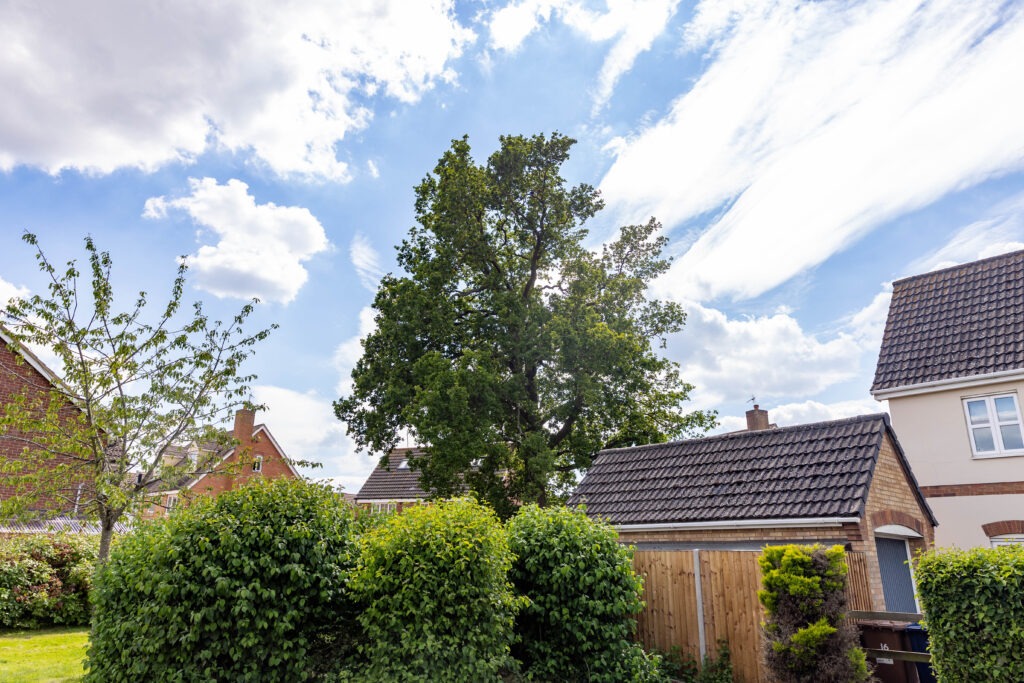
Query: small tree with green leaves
{"points": [[129, 390], [804, 596]]}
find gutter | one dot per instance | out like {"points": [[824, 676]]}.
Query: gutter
{"points": [[949, 383], [782, 523]]}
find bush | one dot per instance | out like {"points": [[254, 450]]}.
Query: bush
{"points": [[974, 606], [248, 587], [583, 596], [805, 600], [437, 605], [680, 665], [45, 580]]}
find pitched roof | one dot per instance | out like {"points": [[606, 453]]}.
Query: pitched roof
{"points": [[958, 322], [807, 471], [398, 482]]}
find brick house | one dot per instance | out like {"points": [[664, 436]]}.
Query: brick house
{"points": [[843, 482], [206, 471], [22, 373], [393, 487], [951, 366]]}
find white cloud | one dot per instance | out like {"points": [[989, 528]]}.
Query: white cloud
{"points": [[366, 261], [260, 248], [371, 168], [814, 123], [998, 233], [9, 291], [351, 350], [307, 429], [766, 356], [789, 414], [139, 83], [633, 24]]}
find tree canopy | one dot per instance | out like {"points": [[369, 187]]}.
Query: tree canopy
{"points": [[508, 348], [129, 390]]}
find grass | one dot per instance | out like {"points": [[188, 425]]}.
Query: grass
{"points": [[48, 656]]}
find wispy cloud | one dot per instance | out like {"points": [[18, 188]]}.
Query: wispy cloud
{"points": [[1001, 231], [788, 414], [260, 248], [366, 261], [814, 123], [139, 83], [350, 351]]}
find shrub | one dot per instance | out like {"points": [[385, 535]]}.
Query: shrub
{"points": [[805, 600], [680, 665], [437, 605], [243, 588], [583, 596], [45, 580], [974, 606]]}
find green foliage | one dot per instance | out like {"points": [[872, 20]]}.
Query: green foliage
{"points": [[680, 665], [249, 587], [974, 604], [510, 348], [436, 602], [583, 596], [804, 597], [45, 580], [129, 390]]}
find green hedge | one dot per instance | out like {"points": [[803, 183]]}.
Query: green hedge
{"points": [[249, 587], [974, 606], [805, 601], [436, 602], [583, 596], [45, 580]]}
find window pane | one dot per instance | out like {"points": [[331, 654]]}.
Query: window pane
{"points": [[978, 412], [1006, 410], [1011, 437], [983, 440]]}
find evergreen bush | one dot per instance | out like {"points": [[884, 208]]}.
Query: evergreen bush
{"points": [[584, 595], [973, 602], [248, 587], [45, 580], [436, 602], [804, 596]]}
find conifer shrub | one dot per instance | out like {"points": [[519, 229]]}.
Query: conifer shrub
{"points": [[247, 587], [45, 580], [973, 602], [583, 597], [804, 597], [436, 604]]}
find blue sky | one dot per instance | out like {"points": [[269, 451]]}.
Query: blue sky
{"points": [[801, 155]]}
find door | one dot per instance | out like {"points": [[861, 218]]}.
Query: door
{"points": [[897, 582]]}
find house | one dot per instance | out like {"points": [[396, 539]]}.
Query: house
{"points": [[843, 482], [208, 471], [394, 487], [951, 366]]}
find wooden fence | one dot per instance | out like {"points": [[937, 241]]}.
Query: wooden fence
{"points": [[695, 609]]}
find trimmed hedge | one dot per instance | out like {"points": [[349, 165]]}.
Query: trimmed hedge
{"points": [[974, 606], [45, 580], [249, 587], [805, 600], [583, 596], [436, 602]]}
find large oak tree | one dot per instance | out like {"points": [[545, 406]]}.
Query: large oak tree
{"points": [[507, 347]]}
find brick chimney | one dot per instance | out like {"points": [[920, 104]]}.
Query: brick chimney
{"points": [[757, 419], [245, 420]]}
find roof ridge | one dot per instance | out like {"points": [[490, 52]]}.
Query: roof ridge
{"points": [[807, 426], [969, 264]]}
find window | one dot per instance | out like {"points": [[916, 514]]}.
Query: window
{"points": [[995, 425], [384, 507], [1007, 539], [172, 502], [257, 464]]}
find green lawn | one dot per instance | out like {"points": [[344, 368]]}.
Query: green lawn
{"points": [[50, 656]]}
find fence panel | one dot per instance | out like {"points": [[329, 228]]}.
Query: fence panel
{"points": [[732, 612], [858, 595], [670, 617]]}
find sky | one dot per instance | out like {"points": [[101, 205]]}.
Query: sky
{"points": [[800, 155]]}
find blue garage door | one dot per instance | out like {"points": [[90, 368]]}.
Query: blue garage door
{"points": [[897, 583]]}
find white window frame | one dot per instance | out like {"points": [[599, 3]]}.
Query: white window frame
{"points": [[171, 502], [1006, 539], [384, 507], [993, 424], [257, 464]]}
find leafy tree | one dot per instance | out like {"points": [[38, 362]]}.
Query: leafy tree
{"points": [[508, 347], [129, 390]]}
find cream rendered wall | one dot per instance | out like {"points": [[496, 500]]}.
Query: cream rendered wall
{"points": [[932, 429]]}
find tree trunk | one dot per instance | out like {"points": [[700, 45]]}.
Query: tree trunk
{"points": [[107, 521]]}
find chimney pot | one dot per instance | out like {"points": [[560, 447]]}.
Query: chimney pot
{"points": [[757, 419]]}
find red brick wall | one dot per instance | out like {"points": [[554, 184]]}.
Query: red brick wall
{"points": [[15, 379]]}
